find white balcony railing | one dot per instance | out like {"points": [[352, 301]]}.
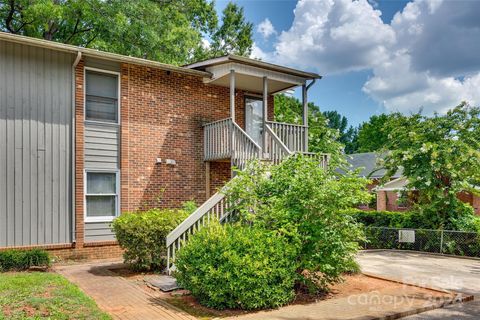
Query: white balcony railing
{"points": [[293, 136]]}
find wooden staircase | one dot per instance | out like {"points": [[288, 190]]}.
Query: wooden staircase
{"points": [[225, 139]]}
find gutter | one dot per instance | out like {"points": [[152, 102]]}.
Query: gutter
{"points": [[73, 145], [99, 54]]}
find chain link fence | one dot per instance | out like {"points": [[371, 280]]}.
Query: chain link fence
{"points": [[437, 241]]}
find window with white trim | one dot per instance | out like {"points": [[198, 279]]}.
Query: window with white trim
{"points": [[101, 195], [101, 96]]}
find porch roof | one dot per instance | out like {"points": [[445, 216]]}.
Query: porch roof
{"points": [[249, 74]]}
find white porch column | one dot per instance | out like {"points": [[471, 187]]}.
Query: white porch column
{"points": [[265, 112], [305, 115], [232, 115], [232, 95]]}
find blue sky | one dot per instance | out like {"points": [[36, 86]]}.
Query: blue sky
{"points": [[371, 64]]}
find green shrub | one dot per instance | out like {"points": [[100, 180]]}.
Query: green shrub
{"points": [[388, 219], [419, 217], [143, 234], [235, 266], [301, 201], [23, 259]]}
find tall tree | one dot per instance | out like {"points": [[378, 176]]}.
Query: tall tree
{"points": [[166, 31], [234, 35], [440, 156], [373, 134], [348, 134]]}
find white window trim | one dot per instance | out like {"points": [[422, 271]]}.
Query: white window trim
{"points": [[117, 195], [118, 74]]}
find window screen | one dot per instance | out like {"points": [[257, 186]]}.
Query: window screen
{"points": [[101, 100], [101, 195]]}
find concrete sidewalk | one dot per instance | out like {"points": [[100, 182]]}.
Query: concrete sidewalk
{"points": [[117, 296], [449, 273]]}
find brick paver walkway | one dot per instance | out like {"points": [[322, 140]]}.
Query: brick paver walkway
{"points": [[116, 295]]}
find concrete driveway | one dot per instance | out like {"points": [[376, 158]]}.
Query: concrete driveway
{"points": [[461, 275]]}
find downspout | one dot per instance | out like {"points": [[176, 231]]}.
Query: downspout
{"points": [[73, 140], [305, 111]]}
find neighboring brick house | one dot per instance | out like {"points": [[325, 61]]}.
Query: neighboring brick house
{"points": [[388, 194], [86, 135]]}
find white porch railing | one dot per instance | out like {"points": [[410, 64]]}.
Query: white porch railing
{"points": [[292, 135], [217, 140], [323, 158], [225, 139]]}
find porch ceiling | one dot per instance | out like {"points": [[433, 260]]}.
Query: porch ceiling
{"points": [[250, 78], [252, 84]]}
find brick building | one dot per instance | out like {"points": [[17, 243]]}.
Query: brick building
{"points": [[87, 135], [388, 194]]}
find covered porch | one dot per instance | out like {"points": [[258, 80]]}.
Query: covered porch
{"points": [[259, 137]]}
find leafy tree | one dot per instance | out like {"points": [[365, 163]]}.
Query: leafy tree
{"points": [[167, 31], [440, 156], [322, 137], [373, 134], [233, 36], [347, 134]]}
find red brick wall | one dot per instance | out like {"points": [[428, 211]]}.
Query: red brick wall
{"points": [[220, 173], [161, 117], [164, 117]]}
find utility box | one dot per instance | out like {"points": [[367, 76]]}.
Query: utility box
{"points": [[406, 236]]}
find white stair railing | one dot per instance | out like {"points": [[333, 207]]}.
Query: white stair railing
{"points": [[275, 149], [215, 208], [244, 148], [225, 139]]}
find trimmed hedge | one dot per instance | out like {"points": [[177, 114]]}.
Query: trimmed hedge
{"points": [[23, 259], [235, 266], [389, 219], [466, 220], [143, 236]]}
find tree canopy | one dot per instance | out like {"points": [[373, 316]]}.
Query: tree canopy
{"points": [[373, 134], [328, 131], [321, 137], [440, 156], [167, 31]]}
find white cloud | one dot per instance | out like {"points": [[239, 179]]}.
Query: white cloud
{"points": [[434, 63], [258, 53], [427, 57], [266, 28], [335, 36]]}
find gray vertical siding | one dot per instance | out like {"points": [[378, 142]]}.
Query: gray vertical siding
{"points": [[102, 151], [102, 145], [35, 145]]}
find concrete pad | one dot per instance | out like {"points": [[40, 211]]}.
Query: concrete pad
{"points": [[162, 282], [388, 303], [445, 272]]}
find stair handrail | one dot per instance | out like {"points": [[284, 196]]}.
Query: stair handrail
{"points": [[244, 148], [273, 155], [216, 207]]}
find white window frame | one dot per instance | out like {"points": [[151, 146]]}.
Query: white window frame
{"points": [[117, 195], [118, 74]]}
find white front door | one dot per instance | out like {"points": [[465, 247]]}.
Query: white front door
{"points": [[254, 118]]}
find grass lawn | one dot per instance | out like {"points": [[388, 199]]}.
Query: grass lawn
{"points": [[39, 295]]}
